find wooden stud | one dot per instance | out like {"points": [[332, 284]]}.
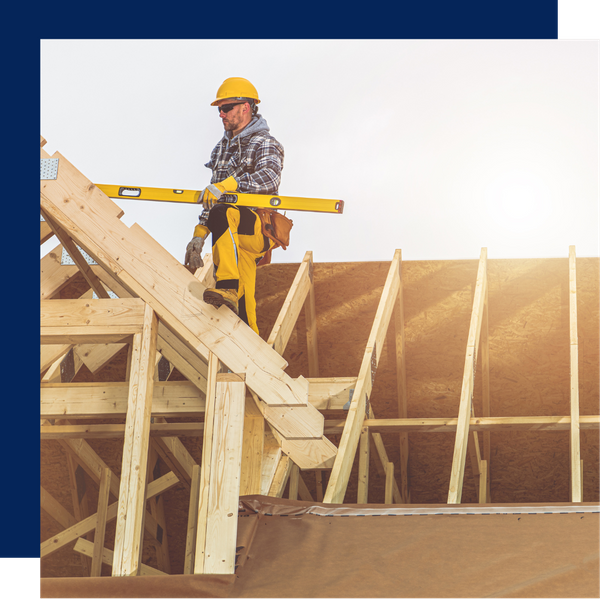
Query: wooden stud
{"points": [[319, 485], [483, 483], [103, 497], [294, 476], [157, 510], [79, 498], [362, 496], [84, 547], [574, 437], [281, 476], [224, 485], [310, 315], [466, 397], [381, 455], [340, 472], [214, 366], [128, 535], [292, 305], [389, 483], [485, 392], [192, 525], [443, 425], [252, 449], [271, 458], [401, 386]]}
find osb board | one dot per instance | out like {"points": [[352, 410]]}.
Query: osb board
{"points": [[529, 375]]}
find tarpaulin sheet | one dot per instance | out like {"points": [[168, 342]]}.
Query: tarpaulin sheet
{"points": [[312, 550]]}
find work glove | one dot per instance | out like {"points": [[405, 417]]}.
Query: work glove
{"points": [[213, 192], [193, 254]]}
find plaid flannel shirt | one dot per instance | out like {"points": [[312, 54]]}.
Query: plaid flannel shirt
{"points": [[253, 157]]}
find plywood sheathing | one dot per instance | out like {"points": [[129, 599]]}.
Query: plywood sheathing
{"points": [[529, 375]]}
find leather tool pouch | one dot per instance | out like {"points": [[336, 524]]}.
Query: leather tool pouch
{"points": [[276, 227]]}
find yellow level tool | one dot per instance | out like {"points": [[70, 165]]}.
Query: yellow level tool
{"points": [[252, 200]]}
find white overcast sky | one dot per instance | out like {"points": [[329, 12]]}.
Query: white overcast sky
{"points": [[437, 147]]}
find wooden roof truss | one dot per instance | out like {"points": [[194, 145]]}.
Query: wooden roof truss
{"points": [[259, 427]]}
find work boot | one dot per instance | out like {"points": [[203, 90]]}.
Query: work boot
{"points": [[218, 297]]}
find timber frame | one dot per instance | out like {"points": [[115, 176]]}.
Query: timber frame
{"points": [[260, 429]]}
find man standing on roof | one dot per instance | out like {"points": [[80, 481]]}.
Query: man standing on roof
{"points": [[247, 160]]}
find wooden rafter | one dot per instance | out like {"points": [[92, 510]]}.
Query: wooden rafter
{"points": [[338, 480], [466, 396], [129, 529], [574, 437]]}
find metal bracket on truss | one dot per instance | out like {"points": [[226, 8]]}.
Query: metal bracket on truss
{"points": [[65, 259], [48, 168]]}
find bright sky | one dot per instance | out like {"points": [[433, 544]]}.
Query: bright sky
{"points": [[437, 147]]}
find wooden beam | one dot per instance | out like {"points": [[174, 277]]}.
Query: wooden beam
{"points": [[63, 320], [294, 476], [362, 495], [292, 305], [170, 399], [109, 400], [156, 506], [319, 485], [74, 252], [483, 483], [129, 529], [270, 461], [100, 529], [389, 483], [224, 484], [485, 391], [192, 524], [84, 547], [79, 499], [67, 536], [340, 473], [381, 455], [310, 315], [401, 387], [335, 427], [466, 397], [252, 449], [574, 437], [214, 366], [281, 476]]}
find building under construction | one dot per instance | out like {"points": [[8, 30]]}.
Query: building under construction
{"points": [[398, 429]]}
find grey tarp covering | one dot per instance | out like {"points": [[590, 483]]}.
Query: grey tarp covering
{"points": [[302, 549]]}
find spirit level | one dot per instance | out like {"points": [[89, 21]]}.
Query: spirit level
{"points": [[251, 200]]}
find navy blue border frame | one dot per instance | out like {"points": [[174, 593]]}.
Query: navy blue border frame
{"points": [[433, 19]]}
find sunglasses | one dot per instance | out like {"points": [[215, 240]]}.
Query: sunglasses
{"points": [[227, 107]]}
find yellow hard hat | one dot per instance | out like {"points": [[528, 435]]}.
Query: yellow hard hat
{"points": [[236, 87]]}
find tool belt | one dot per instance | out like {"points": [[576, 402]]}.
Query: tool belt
{"points": [[276, 227]]}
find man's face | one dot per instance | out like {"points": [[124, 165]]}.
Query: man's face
{"points": [[237, 118]]}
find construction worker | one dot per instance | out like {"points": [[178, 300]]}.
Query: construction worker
{"points": [[249, 160]]}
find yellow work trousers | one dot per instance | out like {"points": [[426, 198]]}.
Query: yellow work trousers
{"points": [[237, 245]]}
